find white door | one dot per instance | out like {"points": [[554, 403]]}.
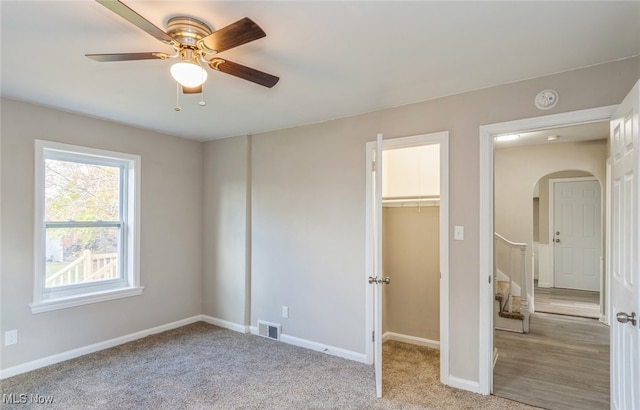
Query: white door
{"points": [[376, 280], [577, 234], [625, 251]]}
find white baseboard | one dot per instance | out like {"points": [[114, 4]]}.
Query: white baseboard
{"points": [[225, 324], [544, 284], [419, 341], [464, 384], [319, 347], [81, 351]]}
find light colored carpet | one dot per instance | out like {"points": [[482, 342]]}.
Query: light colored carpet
{"points": [[201, 366]]}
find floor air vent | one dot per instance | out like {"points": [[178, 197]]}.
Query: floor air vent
{"points": [[270, 330]]}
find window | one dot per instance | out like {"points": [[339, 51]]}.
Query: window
{"points": [[86, 227]]}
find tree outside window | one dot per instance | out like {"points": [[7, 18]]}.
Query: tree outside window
{"points": [[77, 193]]}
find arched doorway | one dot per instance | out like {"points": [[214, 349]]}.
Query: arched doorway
{"points": [[567, 245]]}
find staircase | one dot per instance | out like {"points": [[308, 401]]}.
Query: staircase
{"points": [[511, 306]]}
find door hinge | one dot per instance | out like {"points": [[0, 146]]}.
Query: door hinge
{"points": [[373, 336], [489, 279]]}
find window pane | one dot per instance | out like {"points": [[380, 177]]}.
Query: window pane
{"points": [[81, 255], [81, 192]]}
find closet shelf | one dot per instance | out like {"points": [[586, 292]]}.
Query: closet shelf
{"points": [[411, 201]]}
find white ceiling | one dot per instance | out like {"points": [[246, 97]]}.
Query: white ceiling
{"points": [[335, 59]]}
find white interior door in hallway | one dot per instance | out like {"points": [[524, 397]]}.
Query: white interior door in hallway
{"points": [[624, 266], [576, 234]]}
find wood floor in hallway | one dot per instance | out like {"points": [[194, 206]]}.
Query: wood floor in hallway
{"points": [[563, 363], [570, 302]]}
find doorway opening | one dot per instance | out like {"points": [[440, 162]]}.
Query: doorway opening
{"points": [[411, 245], [411, 260], [525, 165], [413, 206]]}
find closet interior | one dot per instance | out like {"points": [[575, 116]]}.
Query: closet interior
{"points": [[411, 244]]}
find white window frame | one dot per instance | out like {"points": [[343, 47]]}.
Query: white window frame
{"points": [[128, 284]]}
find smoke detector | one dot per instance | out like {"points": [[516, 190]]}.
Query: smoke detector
{"points": [[546, 99]]}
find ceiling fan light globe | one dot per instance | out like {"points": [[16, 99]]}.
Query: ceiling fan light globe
{"points": [[188, 74]]}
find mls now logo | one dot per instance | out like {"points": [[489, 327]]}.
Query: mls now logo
{"points": [[15, 398], [23, 398]]}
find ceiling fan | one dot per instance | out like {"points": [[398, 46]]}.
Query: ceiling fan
{"points": [[194, 43]]}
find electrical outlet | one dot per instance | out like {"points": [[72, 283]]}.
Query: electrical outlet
{"points": [[285, 312], [11, 337]]}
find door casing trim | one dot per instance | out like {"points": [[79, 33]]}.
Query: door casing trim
{"points": [[485, 311]]}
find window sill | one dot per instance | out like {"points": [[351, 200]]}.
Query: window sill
{"points": [[72, 301]]}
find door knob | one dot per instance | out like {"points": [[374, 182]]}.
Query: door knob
{"points": [[386, 280], [626, 318], [373, 280], [558, 240]]}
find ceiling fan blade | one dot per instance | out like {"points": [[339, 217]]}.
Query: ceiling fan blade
{"points": [[192, 90], [127, 56], [134, 18], [233, 35], [244, 72]]}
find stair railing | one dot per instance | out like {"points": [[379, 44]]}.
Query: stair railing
{"points": [[87, 268], [521, 271]]}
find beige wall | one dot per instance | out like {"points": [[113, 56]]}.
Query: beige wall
{"points": [[308, 206], [308, 240], [171, 232], [536, 219], [411, 258], [225, 277]]}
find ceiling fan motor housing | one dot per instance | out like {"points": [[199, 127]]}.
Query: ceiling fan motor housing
{"points": [[187, 30]]}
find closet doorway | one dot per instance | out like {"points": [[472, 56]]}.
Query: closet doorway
{"points": [[411, 244], [414, 252]]}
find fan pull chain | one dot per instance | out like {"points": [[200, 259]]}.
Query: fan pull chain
{"points": [[177, 97]]}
